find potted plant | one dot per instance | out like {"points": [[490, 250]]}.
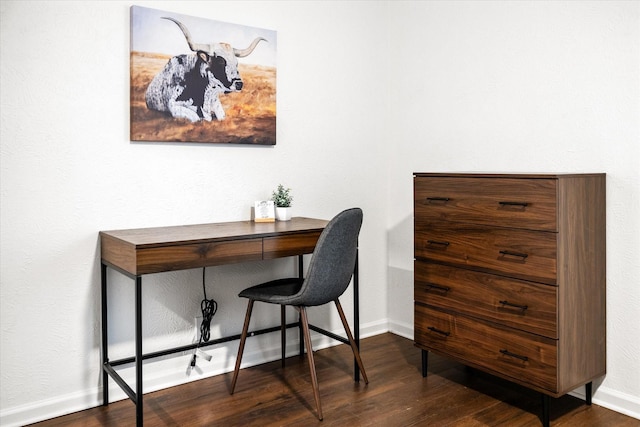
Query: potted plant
{"points": [[282, 199]]}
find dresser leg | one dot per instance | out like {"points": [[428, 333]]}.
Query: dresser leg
{"points": [[425, 360], [588, 391], [545, 410]]}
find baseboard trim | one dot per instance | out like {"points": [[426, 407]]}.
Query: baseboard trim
{"points": [[402, 329], [616, 401]]}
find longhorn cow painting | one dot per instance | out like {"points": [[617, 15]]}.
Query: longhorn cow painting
{"points": [[198, 80]]}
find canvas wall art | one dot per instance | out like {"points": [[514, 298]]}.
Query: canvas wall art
{"points": [[200, 80]]}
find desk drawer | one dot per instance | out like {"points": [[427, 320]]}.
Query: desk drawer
{"points": [[528, 255], [180, 257], [505, 202], [527, 306], [290, 245], [524, 358]]}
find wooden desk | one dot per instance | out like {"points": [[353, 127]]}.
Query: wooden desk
{"points": [[137, 252]]}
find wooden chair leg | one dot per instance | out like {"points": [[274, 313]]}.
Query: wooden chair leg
{"points": [[243, 338], [354, 347], [312, 367]]}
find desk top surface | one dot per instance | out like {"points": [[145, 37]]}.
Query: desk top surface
{"points": [[141, 237]]}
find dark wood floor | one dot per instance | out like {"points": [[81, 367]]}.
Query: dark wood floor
{"points": [[396, 395]]}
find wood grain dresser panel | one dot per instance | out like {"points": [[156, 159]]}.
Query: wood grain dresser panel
{"points": [[510, 274], [528, 306], [519, 356], [505, 202], [529, 255]]}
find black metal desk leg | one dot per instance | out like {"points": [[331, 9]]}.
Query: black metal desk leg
{"points": [[588, 391], [356, 317], [139, 392], [300, 332], [105, 337], [283, 333]]}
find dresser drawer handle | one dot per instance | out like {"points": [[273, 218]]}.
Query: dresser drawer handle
{"points": [[515, 254], [517, 356], [438, 199], [437, 242], [522, 204], [510, 304], [438, 331], [443, 289]]}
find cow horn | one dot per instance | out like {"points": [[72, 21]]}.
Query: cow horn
{"points": [[193, 46], [241, 53]]}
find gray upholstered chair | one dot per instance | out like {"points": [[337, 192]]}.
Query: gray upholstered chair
{"points": [[329, 273]]}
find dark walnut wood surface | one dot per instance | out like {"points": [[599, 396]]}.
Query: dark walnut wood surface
{"points": [[510, 274], [158, 249]]}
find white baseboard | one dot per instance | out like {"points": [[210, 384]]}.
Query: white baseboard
{"points": [[172, 372], [616, 401], [402, 329]]}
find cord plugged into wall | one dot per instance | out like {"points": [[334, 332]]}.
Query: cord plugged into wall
{"points": [[199, 353], [208, 307]]}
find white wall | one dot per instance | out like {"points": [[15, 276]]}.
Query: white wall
{"points": [[69, 171], [506, 86], [525, 87]]}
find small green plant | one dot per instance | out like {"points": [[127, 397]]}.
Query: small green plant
{"points": [[282, 197]]}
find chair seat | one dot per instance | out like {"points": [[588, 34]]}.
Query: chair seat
{"points": [[278, 291]]}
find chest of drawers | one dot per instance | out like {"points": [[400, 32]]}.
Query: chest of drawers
{"points": [[509, 275]]}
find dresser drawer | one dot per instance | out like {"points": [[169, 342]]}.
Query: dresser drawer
{"points": [[524, 358], [524, 254], [527, 306], [504, 202]]}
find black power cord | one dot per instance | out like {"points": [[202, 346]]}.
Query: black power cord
{"points": [[208, 308]]}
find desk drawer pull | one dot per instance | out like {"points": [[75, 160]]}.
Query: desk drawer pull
{"points": [[438, 243], [514, 254], [443, 289], [522, 204], [438, 331], [510, 304], [517, 356]]}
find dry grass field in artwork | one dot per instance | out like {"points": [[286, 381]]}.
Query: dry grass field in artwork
{"points": [[250, 113]]}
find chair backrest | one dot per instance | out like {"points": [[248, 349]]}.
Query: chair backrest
{"points": [[333, 260]]}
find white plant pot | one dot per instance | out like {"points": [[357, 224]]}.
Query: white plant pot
{"points": [[283, 214]]}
